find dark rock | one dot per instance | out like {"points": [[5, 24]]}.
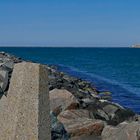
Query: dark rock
{"points": [[3, 79], [58, 131], [1, 92], [116, 113], [101, 114], [110, 112]]}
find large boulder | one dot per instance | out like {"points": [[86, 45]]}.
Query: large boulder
{"points": [[110, 112], [80, 122], [116, 113], [61, 99], [124, 131]]}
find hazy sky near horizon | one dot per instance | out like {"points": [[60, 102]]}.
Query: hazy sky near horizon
{"points": [[69, 22]]}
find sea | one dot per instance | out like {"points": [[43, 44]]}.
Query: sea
{"points": [[110, 69]]}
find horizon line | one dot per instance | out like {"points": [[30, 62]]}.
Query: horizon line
{"points": [[66, 46]]}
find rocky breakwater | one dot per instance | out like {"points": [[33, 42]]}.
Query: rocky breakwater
{"points": [[78, 110]]}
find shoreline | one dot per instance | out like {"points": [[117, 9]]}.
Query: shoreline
{"points": [[103, 84], [85, 95]]}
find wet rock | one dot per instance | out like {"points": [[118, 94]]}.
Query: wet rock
{"points": [[62, 99], [80, 122], [101, 114], [124, 131], [58, 131], [110, 112], [105, 95], [116, 113]]}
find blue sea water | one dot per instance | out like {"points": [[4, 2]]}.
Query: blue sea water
{"points": [[110, 69]]}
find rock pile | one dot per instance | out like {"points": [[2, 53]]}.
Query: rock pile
{"points": [[6, 67]]}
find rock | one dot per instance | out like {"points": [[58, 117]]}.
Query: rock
{"points": [[1, 93], [67, 115], [3, 79], [3, 53], [117, 113], [58, 131], [91, 137], [69, 78], [62, 99], [124, 131], [111, 109], [24, 111], [105, 95], [79, 88], [110, 112], [88, 101], [80, 122], [94, 95], [9, 64], [101, 114]]}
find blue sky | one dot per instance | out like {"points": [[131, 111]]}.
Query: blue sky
{"points": [[69, 22]]}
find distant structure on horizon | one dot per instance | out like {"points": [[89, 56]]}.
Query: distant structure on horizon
{"points": [[136, 46]]}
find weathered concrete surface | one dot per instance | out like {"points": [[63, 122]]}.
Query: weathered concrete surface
{"points": [[24, 112]]}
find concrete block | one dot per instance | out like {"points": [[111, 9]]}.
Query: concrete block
{"points": [[24, 111]]}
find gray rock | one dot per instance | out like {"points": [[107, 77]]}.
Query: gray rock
{"points": [[124, 131], [116, 113], [9, 64], [89, 101], [110, 112], [102, 115], [3, 79], [58, 131]]}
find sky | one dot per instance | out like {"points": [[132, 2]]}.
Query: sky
{"points": [[70, 23]]}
